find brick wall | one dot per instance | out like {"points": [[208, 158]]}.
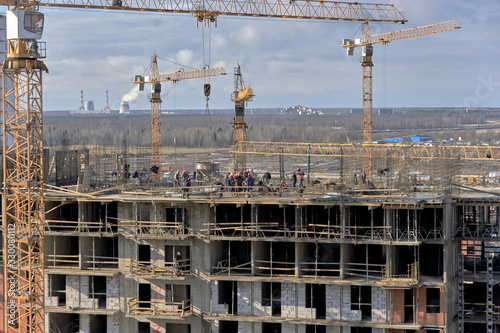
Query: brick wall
{"points": [[429, 318], [288, 301], [244, 298], [398, 306]]}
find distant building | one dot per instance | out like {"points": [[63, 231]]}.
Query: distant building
{"points": [[420, 138], [124, 107], [356, 111], [383, 111], [89, 105], [300, 110]]}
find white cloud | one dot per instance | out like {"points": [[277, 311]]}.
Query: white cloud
{"points": [[286, 61]]}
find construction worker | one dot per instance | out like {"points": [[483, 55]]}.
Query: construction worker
{"points": [[177, 178], [300, 174], [294, 179]]}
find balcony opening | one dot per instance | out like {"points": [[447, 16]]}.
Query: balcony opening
{"points": [[431, 259], [271, 296], [315, 329], [143, 327], [475, 299], [66, 252], [233, 258], [361, 330], [316, 299], [282, 259], [409, 310], [100, 216], [58, 288], [404, 256], [143, 212], [98, 323], [178, 218], [144, 254], [181, 328], [62, 216], [144, 295], [431, 223], [271, 327], [361, 299], [97, 288], [178, 258], [100, 252], [228, 295], [319, 259], [68, 212], [228, 326], [433, 300], [366, 260], [64, 322]]}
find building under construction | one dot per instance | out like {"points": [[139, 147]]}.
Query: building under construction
{"points": [[381, 239], [410, 250]]}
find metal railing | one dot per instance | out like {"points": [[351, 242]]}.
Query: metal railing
{"points": [[160, 308], [410, 278], [175, 268], [84, 262]]}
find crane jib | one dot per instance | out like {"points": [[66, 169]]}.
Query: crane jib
{"points": [[209, 10]]}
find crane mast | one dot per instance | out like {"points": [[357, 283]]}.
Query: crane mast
{"points": [[367, 65], [240, 96], [23, 209], [155, 100]]}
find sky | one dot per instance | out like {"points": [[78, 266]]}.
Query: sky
{"points": [[287, 62]]}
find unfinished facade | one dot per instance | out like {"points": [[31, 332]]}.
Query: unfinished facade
{"points": [[153, 262]]}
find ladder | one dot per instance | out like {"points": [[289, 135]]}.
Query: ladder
{"points": [[489, 294], [461, 301]]}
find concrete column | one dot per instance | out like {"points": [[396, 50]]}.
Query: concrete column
{"points": [[333, 329], [72, 291], [379, 304], [113, 324], [214, 327], [287, 328], [84, 323], [333, 302], [112, 293], [288, 302], [245, 327], [244, 298]]}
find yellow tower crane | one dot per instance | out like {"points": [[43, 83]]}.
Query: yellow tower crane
{"points": [[23, 214], [22, 122], [155, 100], [367, 44], [240, 96]]}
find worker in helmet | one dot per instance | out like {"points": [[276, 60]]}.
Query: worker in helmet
{"points": [[300, 174]]}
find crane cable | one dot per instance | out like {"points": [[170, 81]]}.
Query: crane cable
{"points": [[206, 86]]}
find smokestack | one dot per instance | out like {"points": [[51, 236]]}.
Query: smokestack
{"points": [[124, 108]]}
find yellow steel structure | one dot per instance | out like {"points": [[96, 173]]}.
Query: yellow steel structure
{"points": [[155, 100], [473, 153], [23, 211], [240, 96], [367, 66], [22, 141], [209, 10]]}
